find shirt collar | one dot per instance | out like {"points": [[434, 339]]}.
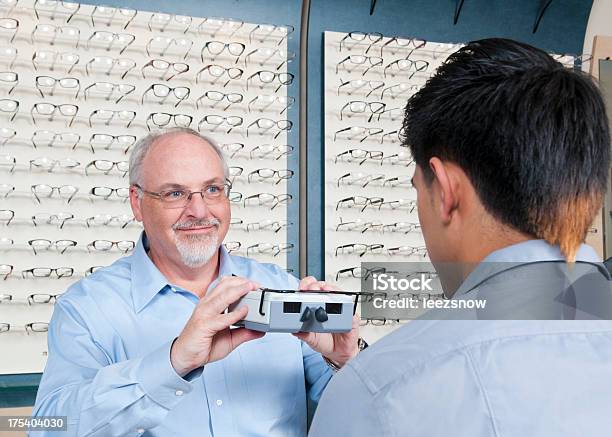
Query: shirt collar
{"points": [[147, 280], [527, 252]]}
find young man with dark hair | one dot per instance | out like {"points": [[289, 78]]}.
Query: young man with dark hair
{"points": [[512, 154]]}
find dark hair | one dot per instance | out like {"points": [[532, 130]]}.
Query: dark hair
{"points": [[531, 135]]}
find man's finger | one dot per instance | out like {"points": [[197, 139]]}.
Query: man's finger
{"points": [[218, 303], [307, 282]]}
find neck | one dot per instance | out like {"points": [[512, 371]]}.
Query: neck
{"points": [[194, 279]]}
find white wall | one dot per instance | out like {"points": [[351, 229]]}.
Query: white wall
{"points": [[600, 23]]}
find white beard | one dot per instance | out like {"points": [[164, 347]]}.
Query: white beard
{"points": [[196, 250]]}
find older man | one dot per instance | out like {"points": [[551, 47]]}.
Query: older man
{"points": [[144, 346]]}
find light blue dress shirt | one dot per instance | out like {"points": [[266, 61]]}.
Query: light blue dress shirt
{"points": [[481, 378], [109, 367]]}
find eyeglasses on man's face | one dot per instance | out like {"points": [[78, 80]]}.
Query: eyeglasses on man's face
{"points": [[180, 197]]}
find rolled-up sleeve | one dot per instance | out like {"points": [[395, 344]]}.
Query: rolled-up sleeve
{"points": [[99, 397]]}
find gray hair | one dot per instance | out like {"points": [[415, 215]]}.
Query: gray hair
{"points": [[140, 149]]}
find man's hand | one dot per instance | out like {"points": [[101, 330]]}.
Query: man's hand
{"points": [[338, 348], [206, 337]]}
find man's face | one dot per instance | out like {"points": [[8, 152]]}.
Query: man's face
{"points": [[189, 235]]}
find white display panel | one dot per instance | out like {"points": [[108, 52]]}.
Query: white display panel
{"points": [[120, 72]]}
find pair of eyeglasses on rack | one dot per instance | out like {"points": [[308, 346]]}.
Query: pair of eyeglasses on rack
{"points": [[164, 45], [43, 111], [108, 41], [9, 81], [44, 191], [360, 156], [6, 134], [41, 244], [379, 322], [359, 86], [48, 272], [105, 166], [270, 32], [50, 165], [353, 132], [106, 117], [359, 178], [269, 248], [29, 327], [361, 107], [122, 220], [359, 225], [55, 9], [107, 66], [213, 122], [408, 251], [359, 272], [212, 98], [100, 141], [47, 85], [216, 48], [266, 77], [402, 66], [353, 62], [269, 151], [32, 299], [403, 227], [399, 90], [6, 216], [8, 162], [359, 249], [106, 193], [9, 108], [401, 44], [359, 202], [267, 200], [356, 39], [107, 16], [163, 70], [62, 62], [213, 72], [111, 92], [269, 56], [52, 35], [268, 225], [264, 103], [269, 174], [160, 93], [266, 125], [163, 119], [8, 29], [54, 219], [407, 204], [161, 22], [8, 55], [124, 246], [214, 26]]}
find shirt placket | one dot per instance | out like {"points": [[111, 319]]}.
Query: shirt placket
{"points": [[217, 398]]}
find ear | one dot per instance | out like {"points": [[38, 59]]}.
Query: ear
{"points": [[135, 203], [447, 187]]}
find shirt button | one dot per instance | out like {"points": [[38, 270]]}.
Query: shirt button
{"points": [[219, 402], [140, 431], [179, 392]]}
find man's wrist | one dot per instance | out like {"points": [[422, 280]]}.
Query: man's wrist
{"points": [[337, 365]]}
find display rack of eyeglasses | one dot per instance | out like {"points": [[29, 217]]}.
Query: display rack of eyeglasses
{"points": [[79, 84], [370, 203]]}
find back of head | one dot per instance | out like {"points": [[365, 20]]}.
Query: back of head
{"points": [[531, 135]]}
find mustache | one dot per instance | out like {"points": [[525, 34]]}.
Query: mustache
{"points": [[189, 224]]}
